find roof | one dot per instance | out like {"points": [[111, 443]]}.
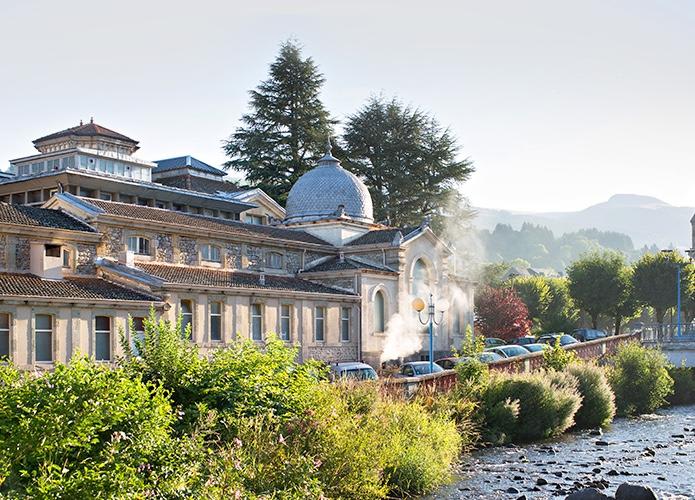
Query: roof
{"points": [[199, 184], [223, 278], [186, 162], [347, 264], [40, 217], [86, 130], [151, 214], [30, 285], [381, 236]]}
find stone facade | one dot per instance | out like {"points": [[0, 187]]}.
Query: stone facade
{"points": [[254, 257], [233, 254], [3, 251], [164, 248], [21, 254], [293, 261], [187, 251], [333, 354], [112, 241], [86, 254]]}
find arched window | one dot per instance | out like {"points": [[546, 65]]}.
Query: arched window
{"points": [[379, 312], [420, 284]]}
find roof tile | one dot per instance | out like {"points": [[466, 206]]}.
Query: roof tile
{"points": [[40, 217], [347, 264], [86, 130]]}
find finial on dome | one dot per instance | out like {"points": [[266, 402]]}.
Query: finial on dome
{"points": [[91, 119], [81, 123], [329, 148]]}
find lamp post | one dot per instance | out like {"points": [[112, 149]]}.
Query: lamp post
{"points": [[419, 306], [678, 292]]}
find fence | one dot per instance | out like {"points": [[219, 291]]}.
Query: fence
{"points": [[667, 333], [446, 380]]}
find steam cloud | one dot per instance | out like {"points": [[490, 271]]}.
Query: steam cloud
{"points": [[402, 339]]}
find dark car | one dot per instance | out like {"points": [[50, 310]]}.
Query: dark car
{"points": [[484, 357], [494, 342], [536, 347], [417, 368], [586, 334], [552, 337], [528, 339], [508, 351]]}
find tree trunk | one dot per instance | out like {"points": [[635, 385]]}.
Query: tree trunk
{"points": [[618, 322], [594, 321]]}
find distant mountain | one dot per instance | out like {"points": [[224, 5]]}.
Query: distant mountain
{"points": [[645, 219]]}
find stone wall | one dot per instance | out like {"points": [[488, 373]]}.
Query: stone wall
{"points": [[22, 256], [164, 248], [112, 241], [3, 251], [254, 256], [187, 251], [233, 256], [334, 354], [84, 263], [311, 257], [293, 262]]}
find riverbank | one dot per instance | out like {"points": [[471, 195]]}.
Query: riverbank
{"points": [[657, 450]]}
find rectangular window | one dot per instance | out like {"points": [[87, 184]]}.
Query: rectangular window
{"points": [[139, 245], [255, 219], [256, 322], [186, 319], [344, 324], [273, 260], [69, 162], [105, 196], [4, 335], [67, 261], [138, 332], [319, 323], [52, 250], [43, 337], [210, 253], [102, 338], [285, 322], [216, 321]]}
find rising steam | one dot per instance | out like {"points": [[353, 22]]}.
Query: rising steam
{"points": [[402, 339]]}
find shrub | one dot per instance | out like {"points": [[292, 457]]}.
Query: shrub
{"points": [[473, 376], [598, 401], [683, 385], [639, 378], [558, 358], [546, 405]]}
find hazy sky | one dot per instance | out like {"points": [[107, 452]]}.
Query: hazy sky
{"points": [[560, 104]]}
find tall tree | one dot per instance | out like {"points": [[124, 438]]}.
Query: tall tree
{"points": [[536, 294], [598, 283], [654, 281], [286, 129], [561, 314], [500, 312], [409, 162]]}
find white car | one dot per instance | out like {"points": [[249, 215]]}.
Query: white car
{"points": [[353, 370]]}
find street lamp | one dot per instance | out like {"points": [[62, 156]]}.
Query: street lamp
{"points": [[678, 291], [419, 305]]}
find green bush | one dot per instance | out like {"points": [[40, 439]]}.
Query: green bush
{"points": [[683, 385], [546, 403], [558, 358], [598, 401], [473, 376], [639, 378]]}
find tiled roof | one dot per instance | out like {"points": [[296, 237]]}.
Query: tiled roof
{"points": [[87, 129], [223, 278], [380, 236], [29, 285], [347, 264], [190, 220], [40, 217], [186, 162], [200, 184]]}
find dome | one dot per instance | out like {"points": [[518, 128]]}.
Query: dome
{"points": [[326, 192]]}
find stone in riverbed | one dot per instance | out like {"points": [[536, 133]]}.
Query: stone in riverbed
{"points": [[541, 481], [596, 432], [588, 494], [628, 491], [512, 490], [601, 443]]}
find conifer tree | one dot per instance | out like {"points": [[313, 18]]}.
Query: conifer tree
{"points": [[286, 129]]}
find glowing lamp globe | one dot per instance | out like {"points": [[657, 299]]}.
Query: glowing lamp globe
{"points": [[418, 304]]}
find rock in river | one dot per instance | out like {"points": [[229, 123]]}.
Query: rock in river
{"points": [[588, 494], [628, 491]]}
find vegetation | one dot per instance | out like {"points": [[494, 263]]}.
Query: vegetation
{"points": [[558, 358], [598, 401], [683, 385], [500, 312], [640, 379]]}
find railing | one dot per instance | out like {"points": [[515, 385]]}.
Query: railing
{"points": [[667, 333], [446, 380]]}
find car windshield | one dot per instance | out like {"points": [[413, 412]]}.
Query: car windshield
{"points": [[489, 357], [514, 350], [535, 347], [567, 339], [424, 369], [360, 374]]}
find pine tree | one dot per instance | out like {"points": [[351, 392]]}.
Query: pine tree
{"points": [[408, 161], [285, 131]]}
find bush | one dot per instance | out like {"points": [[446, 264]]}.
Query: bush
{"points": [[542, 405], [558, 358], [473, 376], [598, 401], [683, 385], [639, 378]]}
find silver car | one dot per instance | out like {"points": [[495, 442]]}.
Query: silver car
{"points": [[353, 370]]}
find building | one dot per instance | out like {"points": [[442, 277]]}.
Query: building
{"points": [[83, 248]]}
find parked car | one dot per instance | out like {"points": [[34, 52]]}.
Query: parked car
{"points": [[586, 334], [508, 351], [352, 370], [418, 368], [536, 347], [489, 357], [451, 362], [494, 342], [529, 339], [552, 337]]}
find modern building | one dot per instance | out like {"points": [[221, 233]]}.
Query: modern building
{"points": [[91, 235]]}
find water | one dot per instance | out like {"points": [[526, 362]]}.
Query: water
{"points": [[656, 450]]}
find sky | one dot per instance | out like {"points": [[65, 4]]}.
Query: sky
{"points": [[559, 104]]}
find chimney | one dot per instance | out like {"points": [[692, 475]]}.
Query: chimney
{"points": [[341, 256], [261, 279], [126, 257], [46, 260]]}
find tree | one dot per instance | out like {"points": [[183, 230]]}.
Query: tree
{"points": [[561, 314], [408, 161], [598, 282], [500, 312], [286, 130], [535, 293], [654, 281]]}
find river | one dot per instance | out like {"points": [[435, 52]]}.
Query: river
{"points": [[656, 450]]}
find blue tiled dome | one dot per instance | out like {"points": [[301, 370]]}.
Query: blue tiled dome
{"points": [[326, 192]]}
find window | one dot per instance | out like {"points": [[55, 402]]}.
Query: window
{"points": [[160, 204], [137, 334], [67, 258], [210, 253], [319, 324], [43, 337], [186, 319], [216, 321], [256, 322], [53, 165], [344, 324], [53, 250], [102, 338], [255, 219], [420, 279], [273, 260], [139, 245], [4, 335], [69, 162], [379, 312], [105, 196], [285, 322]]}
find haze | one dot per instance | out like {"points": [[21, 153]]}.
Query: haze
{"points": [[559, 104]]}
